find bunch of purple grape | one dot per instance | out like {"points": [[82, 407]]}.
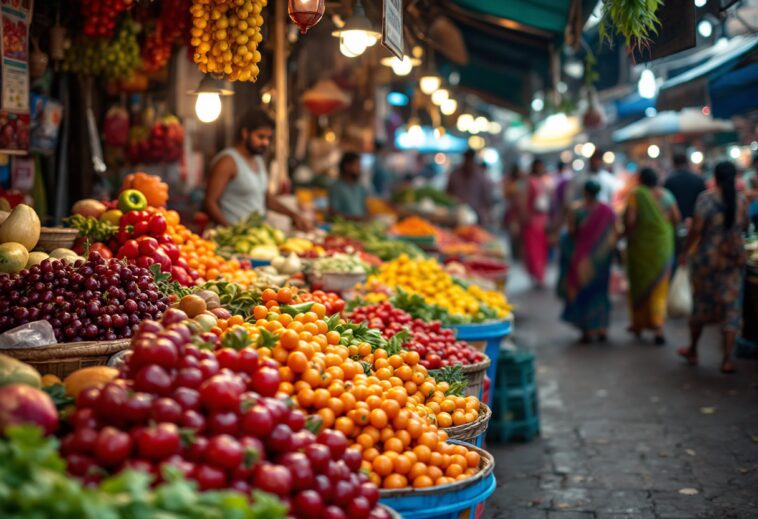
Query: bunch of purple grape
{"points": [[97, 299]]}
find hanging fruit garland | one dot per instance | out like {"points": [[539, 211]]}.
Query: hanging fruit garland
{"points": [[225, 37]]}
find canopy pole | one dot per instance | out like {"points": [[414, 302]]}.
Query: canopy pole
{"points": [[281, 137]]}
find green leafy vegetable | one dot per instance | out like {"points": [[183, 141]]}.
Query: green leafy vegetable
{"points": [[454, 376], [92, 228]]}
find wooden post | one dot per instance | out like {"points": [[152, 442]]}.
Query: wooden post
{"points": [[281, 137]]}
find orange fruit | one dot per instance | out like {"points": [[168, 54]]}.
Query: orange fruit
{"points": [[423, 481], [394, 444], [391, 408], [370, 454], [382, 465], [297, 361], [378, 418], [403, 465], [473, 459], [423, 453], [434, 472], [395, 481], [417, 469], [444, 420], [327, 417], [365, 440], [345, 425]]}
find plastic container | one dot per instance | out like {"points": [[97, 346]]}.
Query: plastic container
{"points": [[259, 262], [457, 500], [491, 334]]}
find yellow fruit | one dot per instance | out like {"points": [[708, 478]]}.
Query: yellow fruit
{"points": [[13, 257], [22, 226], [85, 378]]}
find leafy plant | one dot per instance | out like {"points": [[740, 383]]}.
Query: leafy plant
{"points": [[454, 376], [166, 285], [635, 20]]}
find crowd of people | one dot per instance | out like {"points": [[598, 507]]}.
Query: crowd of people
{"points": [[652, 229]]}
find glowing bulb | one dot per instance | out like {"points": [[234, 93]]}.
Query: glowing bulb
{"points": [[464, 122], [449, 106], [475, 142], [482, 124], [646, 86], [578, 149], [440, 96], [735, 152], [402, 67], [354, 42], [538, 104], [266, 98], [700, 3], [653, 151], [208, 106], [494, 127], [588, 149], [705, 28], [429, 84], [696, 157], [578, 165], [330, 136], [609, 157], [440, 159]]}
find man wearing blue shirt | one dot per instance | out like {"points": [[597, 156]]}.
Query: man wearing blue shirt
{"points": [[347, 196]]}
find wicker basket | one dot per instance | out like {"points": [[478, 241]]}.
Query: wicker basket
{"points": [[475, 375], [486, 466], [51, 238], [63, 359], [471, 431]]}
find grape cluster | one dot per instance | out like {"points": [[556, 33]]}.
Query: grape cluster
{"points": [[94, 300], [115, 58], [225, 35], [100, 16]]}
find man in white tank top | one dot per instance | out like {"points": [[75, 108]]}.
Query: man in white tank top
{"points": [[238, 182]]}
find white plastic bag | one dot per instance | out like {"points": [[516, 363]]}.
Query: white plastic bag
{"points": [[680, 295]]}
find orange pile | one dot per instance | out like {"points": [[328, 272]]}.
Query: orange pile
{"points": [[391, 414], [414, 226], [201, 254]]}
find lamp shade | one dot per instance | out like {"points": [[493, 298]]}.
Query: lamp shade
{"points": [[325, 97]]}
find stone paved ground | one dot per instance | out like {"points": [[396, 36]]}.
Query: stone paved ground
{"points": [[628, 431]]}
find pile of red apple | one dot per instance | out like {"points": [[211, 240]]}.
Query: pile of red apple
{"points": [[216, 418]]}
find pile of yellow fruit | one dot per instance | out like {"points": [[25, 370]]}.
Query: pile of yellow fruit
{"points": [[427, 278], [225, 35]]}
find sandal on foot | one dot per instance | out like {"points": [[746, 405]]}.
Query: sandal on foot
{"points": [[728, 369], [685, 352]]}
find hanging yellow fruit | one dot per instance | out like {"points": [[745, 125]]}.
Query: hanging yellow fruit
{"points": [[225, 37]]}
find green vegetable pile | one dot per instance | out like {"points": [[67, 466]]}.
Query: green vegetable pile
{"points": [[439, 198], [244, 236], [234, 297], [34, 485], [373, 236], [454, 376], [92, 228], [417, 306]]}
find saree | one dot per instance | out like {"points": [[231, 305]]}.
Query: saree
{"points": [[587, 258], [650, 255], [534, 232]]}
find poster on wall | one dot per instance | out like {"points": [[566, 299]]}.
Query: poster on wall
{"points": [[15, 18]]}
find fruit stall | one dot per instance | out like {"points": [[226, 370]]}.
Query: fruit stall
{"points": [[146, 367]]}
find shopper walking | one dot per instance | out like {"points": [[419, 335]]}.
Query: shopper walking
{"points": [[686, 186], [718, 262], [535, 223], [469, 184], [650, 218], [589, 248], [609, 184], [514, 192]]}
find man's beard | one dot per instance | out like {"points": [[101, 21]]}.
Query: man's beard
{"points": [[252, 150]]}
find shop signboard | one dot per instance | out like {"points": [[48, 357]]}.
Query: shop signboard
{"points": [[15, 17], [392, 27]]}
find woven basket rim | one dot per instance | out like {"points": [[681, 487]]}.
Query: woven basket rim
{"points": [[486, 465], [481, 422], [68, 350], [478, 366], [57, 230]]}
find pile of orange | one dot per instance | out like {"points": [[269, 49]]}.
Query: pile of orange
{"points": [[201, 254], [414, 226], [391, 414]]}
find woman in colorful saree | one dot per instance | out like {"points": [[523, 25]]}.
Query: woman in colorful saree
{"points": [[650, 219], [588, 252]]}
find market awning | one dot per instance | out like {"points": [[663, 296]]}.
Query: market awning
{"points": [[692, 87], [688, 121], [509, 45], [547, 16], [735, 92]]}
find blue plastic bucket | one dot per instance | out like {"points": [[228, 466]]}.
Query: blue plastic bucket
{"points": [[492, 334], [259, 262], [454, 501]]}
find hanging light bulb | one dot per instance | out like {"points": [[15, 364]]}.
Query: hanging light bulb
{"points": [[440, 96], [208, 103], [429, 84], [401, 67], [449, 106], [482, 124], [357, 34], [464, 122], [646, 86]]}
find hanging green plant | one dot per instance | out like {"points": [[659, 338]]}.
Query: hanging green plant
{"points": [[635, 20]]}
